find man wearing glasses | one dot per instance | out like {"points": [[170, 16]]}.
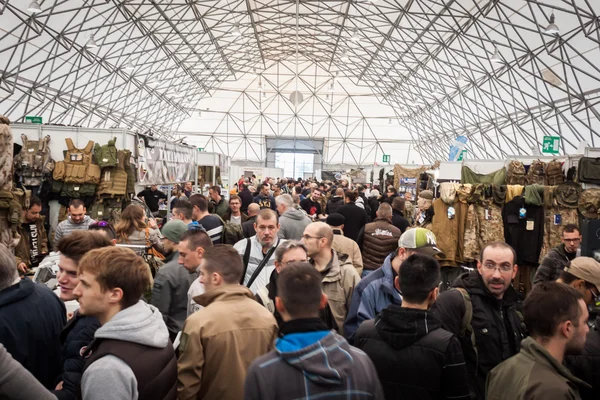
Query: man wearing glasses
{"points": [[481, 310], [559, 257]]}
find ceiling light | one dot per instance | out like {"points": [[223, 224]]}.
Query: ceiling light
{"points": [[345, 57], [496, 57], [355, 35], [260, 86], [264, 95], [236, 30], [461, 78], [91, 43], [552, 28], [332, 87], [129, 66], [34, 7]]}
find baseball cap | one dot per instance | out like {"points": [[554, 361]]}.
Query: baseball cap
{"points": [[421, 240], [426, 194], [585, 268], [174, 229]]}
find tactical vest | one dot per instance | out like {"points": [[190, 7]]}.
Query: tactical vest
{"points": [[77, 166], [106, 155], [114, 179], [108, 210], [34, 163], [379, 240], [12, 204]]}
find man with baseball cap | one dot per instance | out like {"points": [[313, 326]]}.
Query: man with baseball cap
{"points": [[376, 291], [583, 274], [172, 281]]}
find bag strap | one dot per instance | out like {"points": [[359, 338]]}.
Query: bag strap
{"points": [[89, 147], [262, 264], [466, 327], [70, 146], [246, 259]]}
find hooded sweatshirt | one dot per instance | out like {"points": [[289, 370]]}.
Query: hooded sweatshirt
{"points": [[292, 224], [309, 361], [333, 204], [66, 227], [414, 357], [110, 377]]}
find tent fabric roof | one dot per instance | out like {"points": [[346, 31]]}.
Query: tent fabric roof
{"points": [[408, 76]]}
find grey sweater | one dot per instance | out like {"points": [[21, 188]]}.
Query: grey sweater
{"points": [[17, 383], [292, 224], [66, 227]]}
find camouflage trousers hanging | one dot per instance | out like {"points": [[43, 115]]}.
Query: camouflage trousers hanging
{"points": [[484, 225], [553, 232]]}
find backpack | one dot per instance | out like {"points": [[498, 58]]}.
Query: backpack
{"points": [[106, 155], [536, 175], [34, 164], [465, 328], [515, 175], [589, 170], [554, 173], [232, 233]]}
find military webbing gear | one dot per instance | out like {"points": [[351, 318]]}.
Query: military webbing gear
{"points": [[77, 166], [515, 174], [108, 210], [554, 173], [113, 182], [77, 190], [106, 155], [34, 164], [536, 175]]}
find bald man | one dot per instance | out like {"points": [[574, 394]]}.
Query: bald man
{"points": [[318, 239], [248, 226]]}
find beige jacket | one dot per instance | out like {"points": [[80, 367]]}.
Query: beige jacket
{"points": [[338, 284], [220, 341], [348, 248]]}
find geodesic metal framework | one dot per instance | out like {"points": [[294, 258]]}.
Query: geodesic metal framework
{"points": [[494, 71]]}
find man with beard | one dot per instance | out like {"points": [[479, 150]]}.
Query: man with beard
{"points": [[559, 257], [258, 252], [481, 310], [556, 316]]}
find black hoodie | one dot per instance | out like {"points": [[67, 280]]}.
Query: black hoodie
{"points": [[333, 204], [414, 357], [495, 322]]}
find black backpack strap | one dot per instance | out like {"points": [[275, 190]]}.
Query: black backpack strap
{"points": [[262, 264], [246, 259]]}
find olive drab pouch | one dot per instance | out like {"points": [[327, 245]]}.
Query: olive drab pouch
{"points": [[92, 174], [589, 170], [106, 155], [97, 211], [113, 182], [59, 171], [57, 186]]}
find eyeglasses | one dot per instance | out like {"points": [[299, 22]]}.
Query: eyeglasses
{"points": [[306, 237], [576, 240], [593, 290], [490, 266]]}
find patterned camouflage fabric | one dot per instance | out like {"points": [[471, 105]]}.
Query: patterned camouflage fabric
{"points": [[472, 234], [589, 203], [552, 232], [6, 155]]}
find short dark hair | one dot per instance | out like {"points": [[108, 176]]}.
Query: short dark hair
{"points": [[498, 244], [262, 185], [184, 207], [196, 238], [419, 275], [216, 189], [224, 260], [103, 226], [350, 195], [299, 288], [79, 243], [35, 201], [399, 204], [568, 278], [76, 203], [548, 305], [393, 190], [297, 189], [570, 228], [235, 197], [200, 201]]}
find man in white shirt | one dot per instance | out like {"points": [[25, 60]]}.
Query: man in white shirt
{"points": [[191, 249]]}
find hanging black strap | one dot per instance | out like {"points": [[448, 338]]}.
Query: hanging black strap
{"points": [[262, 264], [246, 259]]}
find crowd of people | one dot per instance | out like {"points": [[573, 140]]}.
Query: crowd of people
{"points": [[289, 289]]}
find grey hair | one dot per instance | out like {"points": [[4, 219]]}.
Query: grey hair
{"points": [[285, 247], [286, 200], [8, 267], [384, 210]]}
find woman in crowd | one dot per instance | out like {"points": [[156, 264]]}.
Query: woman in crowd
{"points": [[135, 228]]}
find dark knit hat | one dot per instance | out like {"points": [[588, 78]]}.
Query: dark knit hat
{"points": [[335, 219], [174, 229]]}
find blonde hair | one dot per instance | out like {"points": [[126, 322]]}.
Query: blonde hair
{"points": [[131, 221]]}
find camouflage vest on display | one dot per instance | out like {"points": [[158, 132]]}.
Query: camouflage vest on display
{"points": [[106, 155], [537, 173], [108, 210], [77, 166], [554, 173], [515, 174], [114, 179], [34, 164]]}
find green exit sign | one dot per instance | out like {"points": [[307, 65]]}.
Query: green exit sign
{"points": [[551, 144], [462, 155], [200, 148], [33, 120], [386, 158]]}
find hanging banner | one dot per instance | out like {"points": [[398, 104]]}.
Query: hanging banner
{"points": [[459, 144], [164, 162]]}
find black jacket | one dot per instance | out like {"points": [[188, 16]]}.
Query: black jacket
{"points": [[414, 357], [246, 198], [78, 333], [399, 221], [526, 240], [586, 366], [31, 319], [248, 227], [497, 326], [356, 219], [553, 264], [374, 206], [334, 204]]}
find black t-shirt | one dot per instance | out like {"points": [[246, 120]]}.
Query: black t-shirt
{"points": [[34, 242], [213, 226], [151, 198], [311, 207]]}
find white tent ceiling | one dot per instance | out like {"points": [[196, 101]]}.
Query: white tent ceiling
{"points": [[427, 66]]}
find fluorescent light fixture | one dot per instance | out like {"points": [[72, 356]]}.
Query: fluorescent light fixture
{"points": [[355, 35], [331, 87], [236, 30], [91, 43], [260, 86], [34, 7], [552, 28], [345, 57], [129, 66], [496, 57]]}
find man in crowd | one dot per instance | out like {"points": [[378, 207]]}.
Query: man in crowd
{"points": [[583, 275], [340, 371], [312, 204], [346, 248], [171, 283], [77, 220], [338, 278], [292, 221], [152, 197], [188, 189], [556, 317], [335, 202], [425, 205], [377, 290], [258, 252], [356, 217], [131, 356], [211, 223], [234, 214], [183, 211], [409, 208], [220, 204], [378, 239], [494, 323], [245, 197], [192, 245], [223, 338], [80, 329], [559, 257], [31, 319], [414, 357], [264, 198], [398, 211], [33, 245], [391, 194], [248, 226]]}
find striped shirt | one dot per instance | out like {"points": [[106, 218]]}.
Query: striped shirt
{"points": [[213, 226]]}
